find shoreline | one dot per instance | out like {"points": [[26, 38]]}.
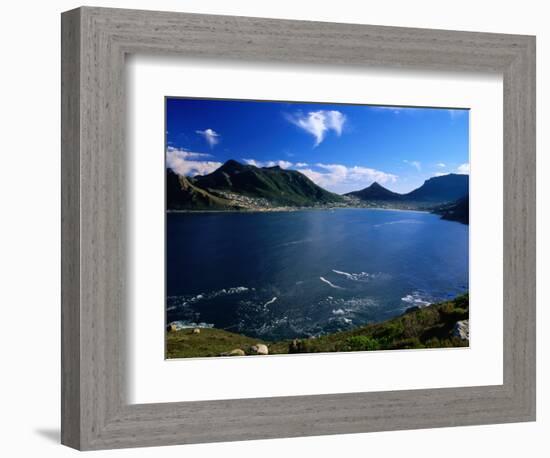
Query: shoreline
{"points": [[297, 209]]}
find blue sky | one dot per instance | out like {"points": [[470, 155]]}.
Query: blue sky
{"points": [[340, 147]]}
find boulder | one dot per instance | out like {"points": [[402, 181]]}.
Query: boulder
{"points": [[259, 349], [235, 352], [462, 330], [196, 331]]}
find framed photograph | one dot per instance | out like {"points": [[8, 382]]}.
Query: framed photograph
{"points": [[301, 246], [286, 228]]}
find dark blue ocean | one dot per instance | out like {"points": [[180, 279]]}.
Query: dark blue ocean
{"points": [[295, 274]]}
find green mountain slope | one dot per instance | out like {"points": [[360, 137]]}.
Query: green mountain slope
{"points": [[274, 184], [181, 194], [445, 188], [376, 192]]}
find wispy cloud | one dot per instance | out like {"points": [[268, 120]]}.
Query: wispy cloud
{"points": [[456, 113], [189, 163], [341, 178], [416, 164], [280, 163], [394, 110], [441, 164], [464, 168], [210, 135], [440, 174], [318, 123], [186, 154]]}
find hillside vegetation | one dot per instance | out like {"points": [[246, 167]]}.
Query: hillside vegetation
{"points": [[455, 211], [181, 194]]}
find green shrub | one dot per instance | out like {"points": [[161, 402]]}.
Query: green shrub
{"points": [[390, 332], [425, 316], [299, 346], [451, 314], [433, 342], [413, 342], [360, 343], [462, 301]]}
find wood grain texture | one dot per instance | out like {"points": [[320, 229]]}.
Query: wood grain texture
{"points": [[70, 229], [96, 414]]}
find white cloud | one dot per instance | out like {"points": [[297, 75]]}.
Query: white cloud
{"points": [[318, 123], [464, 168], [182, 152], [210, 135], [301, 164], [416, 164], [282, 164], [189, 163], [441, 164], [253, 162], [336, 121], [440, 174], [341, 178]]}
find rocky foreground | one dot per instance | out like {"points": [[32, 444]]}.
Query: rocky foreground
{"points": [[435, 326]]}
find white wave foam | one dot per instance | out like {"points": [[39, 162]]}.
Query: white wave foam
{"points": [[354, 276], [349, 305], [415, 298], [338, 312], [221, 292], [182, 303], [234, 290], [189, 324], [274, 324], [341, 320], [269, 302], [332, 285]]}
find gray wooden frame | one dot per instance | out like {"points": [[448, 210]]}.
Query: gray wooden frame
{"points": [[95, 413]]}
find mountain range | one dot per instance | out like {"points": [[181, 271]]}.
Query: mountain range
{"points": [[435, 190], [236, 186]]}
